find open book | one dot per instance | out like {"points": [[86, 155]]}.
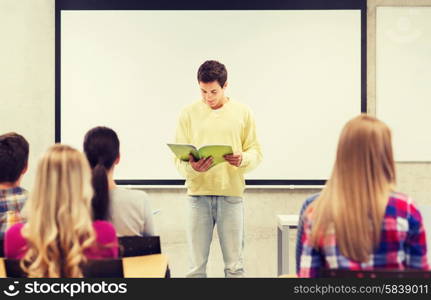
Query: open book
{"points": [[182, 151]]}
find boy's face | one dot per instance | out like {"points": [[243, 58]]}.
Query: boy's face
{"points": [[212, 93]]}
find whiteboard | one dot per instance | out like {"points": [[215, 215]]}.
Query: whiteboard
{"points": [[403, 72], [298, 70]]}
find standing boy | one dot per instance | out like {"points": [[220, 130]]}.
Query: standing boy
{"points": [[215, 194]]}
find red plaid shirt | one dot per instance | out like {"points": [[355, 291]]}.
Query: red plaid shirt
{"points": [[402, 243]]}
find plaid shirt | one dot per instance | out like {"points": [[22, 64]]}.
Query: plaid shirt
{"points": [[300, 231], [402, 244], [11, 202]]}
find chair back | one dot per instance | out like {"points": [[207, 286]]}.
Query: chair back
{"points": [[138, 245], [1, 248], [94, 268], [129, 246]]}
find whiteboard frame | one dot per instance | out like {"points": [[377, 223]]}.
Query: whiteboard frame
{"points": [[62, 5]]}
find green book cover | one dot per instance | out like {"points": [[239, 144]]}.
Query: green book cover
{"points": [[182, 151]]}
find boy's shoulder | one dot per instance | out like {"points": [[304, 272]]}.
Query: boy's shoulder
{"points": [[193, 106], [239, 105], [14, 193]]}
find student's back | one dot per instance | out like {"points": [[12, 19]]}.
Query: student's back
{"points": [[402, 244], [14, 151], [131, 212], [358, 222], [128, 210], [105, 245], [60, 235]]}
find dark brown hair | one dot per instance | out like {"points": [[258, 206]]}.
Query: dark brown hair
{"points": [[14, 150], [212, 70], [102, 148]]}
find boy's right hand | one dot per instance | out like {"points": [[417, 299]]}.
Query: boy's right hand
{"points": [[201, 165]]}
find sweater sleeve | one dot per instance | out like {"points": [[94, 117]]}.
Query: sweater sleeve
{"points": [[14, 243], [183, 137], [252, 154], [106, 239]]}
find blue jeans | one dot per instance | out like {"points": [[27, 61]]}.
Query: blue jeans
{"points": [[228, 213]]}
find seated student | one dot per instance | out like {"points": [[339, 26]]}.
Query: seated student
{"points": [[13, 164], [128, 210], [358, 222], [60, 235]]}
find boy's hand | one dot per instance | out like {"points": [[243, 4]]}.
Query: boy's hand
{"points": [[201, 165], [234, 159]]}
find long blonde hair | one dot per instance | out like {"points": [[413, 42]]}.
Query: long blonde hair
{"points": [[59, 226], [354, 200]]}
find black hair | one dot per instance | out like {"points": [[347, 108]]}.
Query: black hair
{"points": [[102, 148], [14, 150], [212, 70]]}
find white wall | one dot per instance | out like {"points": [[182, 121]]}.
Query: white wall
{"points": [[27, 74], [403, 71]]}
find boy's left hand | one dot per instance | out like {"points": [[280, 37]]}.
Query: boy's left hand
{"points": [[234, 159]]}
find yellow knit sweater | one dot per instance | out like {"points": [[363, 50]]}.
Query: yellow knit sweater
{"points": [[232, 124]]}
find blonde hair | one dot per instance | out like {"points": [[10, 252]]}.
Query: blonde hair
{"points": [[354, 200], [59, 227]]}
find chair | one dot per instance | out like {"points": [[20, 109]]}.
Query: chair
{"points": [[377, 273], [129, 246], [148, 266], [1, 248], [138, 245]]}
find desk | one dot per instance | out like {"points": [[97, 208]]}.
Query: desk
{"points": [[147, 266], [285, 223], [2, 269]]}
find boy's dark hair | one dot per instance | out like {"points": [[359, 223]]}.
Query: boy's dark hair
{"points": [[102, 147], [13, 156], [212, 70]]}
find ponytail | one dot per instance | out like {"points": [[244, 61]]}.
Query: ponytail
{"points": [[101, 199], [102, 148]]}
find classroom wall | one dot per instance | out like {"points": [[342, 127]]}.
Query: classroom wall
{"points": [[27, 106], [414, 178], [27, 74]]}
